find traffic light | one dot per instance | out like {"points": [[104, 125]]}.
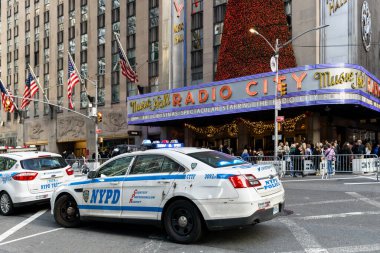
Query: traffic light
{"points": [[283, 90], [8, 105], [99, 117]]}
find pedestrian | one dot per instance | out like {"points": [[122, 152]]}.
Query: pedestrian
{"points": [[245, 155], [330, 157], [71, 158], [345, 157], [292, 152]]}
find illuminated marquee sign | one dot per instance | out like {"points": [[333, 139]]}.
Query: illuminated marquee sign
{"points": [[308, 85]]}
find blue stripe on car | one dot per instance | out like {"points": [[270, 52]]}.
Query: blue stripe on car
{"points": [[122, 208], [139, 178]]}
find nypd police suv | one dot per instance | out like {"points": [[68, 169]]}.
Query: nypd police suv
{"points": [[183, 189], [30, 177]]}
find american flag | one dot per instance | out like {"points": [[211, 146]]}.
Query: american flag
{"points": [[126, 69], [73, 80], [6, 97], [31, 88]]}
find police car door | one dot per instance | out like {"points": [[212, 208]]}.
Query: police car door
{"points": [[148, 184], [102, 197]]}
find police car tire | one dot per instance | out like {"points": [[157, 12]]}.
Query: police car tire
{"points": [[187, 209], [10, 203], [62, 203]]}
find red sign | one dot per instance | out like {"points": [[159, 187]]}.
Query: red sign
{"points": [[280, 118], [99, 131]]}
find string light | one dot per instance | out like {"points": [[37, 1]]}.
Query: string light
{"points": [[255, 127]]}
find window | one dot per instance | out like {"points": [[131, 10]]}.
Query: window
{"points": [[220, 7], [115, 84], [216, 159], [72, 32], [155, 164], [60, 37], [116, 168], [169, 166], [147, 164], [60, 10], [6, 163], [197, 41], [27, 26], [101, 21], [83, 27], [71, 5], [46, 163], [46, 16], [36, 21]]}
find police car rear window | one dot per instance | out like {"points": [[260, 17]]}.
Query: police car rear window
{"points": [[216, 159], [44, 163]]}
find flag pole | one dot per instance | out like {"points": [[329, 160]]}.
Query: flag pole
{"points": [[121, 48], [79, 75], [75, 67], [38, 83], [6, 90]]}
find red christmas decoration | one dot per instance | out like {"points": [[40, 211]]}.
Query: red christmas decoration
{"points": [[243, 53]]}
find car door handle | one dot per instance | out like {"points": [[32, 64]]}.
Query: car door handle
{"points": [[164, 182], [114, 183]]}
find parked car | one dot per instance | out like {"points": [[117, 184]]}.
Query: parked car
{"points": [[182, 189], [30, 177]]}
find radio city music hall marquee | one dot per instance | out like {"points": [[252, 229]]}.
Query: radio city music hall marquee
{"points": [[302, 86]]}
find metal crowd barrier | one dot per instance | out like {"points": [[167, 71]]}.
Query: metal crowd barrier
{"points": [[82, 166], [302, 165]]}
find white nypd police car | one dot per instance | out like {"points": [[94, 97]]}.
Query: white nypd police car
{"points": [[30, 177], [182, 189]]}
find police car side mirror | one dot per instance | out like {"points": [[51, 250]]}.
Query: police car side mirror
{"points": [[92, 174]]}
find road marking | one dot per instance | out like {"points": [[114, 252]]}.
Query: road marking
{"points": [[364, 183], [319, 179], [372, 178], [21, 225], [362, 198], [350, 249], [326, 202], [29, 236], [337, 215], [304, 238]]}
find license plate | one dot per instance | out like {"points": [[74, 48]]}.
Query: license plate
{"points": [[276, 209]]}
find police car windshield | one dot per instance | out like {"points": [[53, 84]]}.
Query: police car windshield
{"points": [[216, 159], [44, 163]]}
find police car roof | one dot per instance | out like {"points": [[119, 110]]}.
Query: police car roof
{"points": [[28, 155], [183, 150]]}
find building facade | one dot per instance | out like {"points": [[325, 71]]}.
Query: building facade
{"points": [[170, 44]]}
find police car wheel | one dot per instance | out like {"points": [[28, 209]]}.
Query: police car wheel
{"points": [[66, 212], [6, 204], [183, 222]]}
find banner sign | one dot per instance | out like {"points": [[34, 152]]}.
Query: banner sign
{"points": [[178, 43], [307, 85]]}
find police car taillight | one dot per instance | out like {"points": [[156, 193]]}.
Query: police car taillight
{"points": [[25, 176], [252, 180], [69, 171], [239, 182], [244, 181]]}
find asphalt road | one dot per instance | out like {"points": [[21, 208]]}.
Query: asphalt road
{"points": [[336, 215]]}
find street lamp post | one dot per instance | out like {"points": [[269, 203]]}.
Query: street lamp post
{"points": [[276, 51]]}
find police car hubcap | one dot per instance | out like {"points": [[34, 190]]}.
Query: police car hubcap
{"points": [[70, 211], [4, 203], [182, 221]]}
